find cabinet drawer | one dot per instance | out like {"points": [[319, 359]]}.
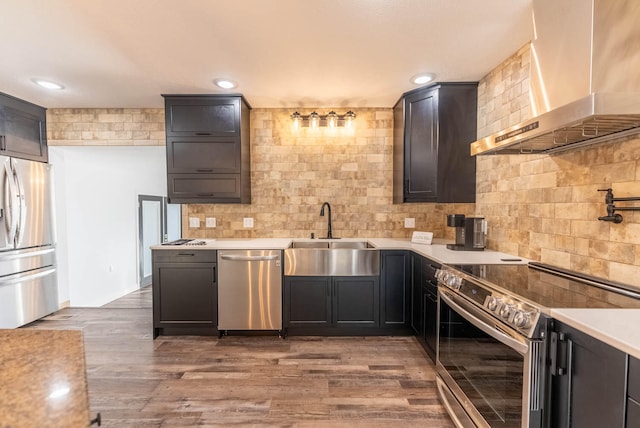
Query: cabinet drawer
{"points": [[202, 116], [203, 155], [185, 188], [429, 271], [186, 255]]}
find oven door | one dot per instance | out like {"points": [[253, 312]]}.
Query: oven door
{"points": [[489, 375]]}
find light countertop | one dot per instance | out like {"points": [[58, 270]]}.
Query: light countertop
{"points": [[437, 251], [43, 379], [615, 327]]}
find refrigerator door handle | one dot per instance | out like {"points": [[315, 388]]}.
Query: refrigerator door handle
{"points": [[21, 219], [11, 207]]}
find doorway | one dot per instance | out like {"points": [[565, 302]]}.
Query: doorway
{"points": [[158, 222]]}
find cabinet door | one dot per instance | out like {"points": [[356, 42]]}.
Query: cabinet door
{"points": [[417, 305], [307, 301], [394, 290], [588, 381], [430, 299], [23, 131], [203, 155], [185, 294], [421, 146], [202, 188], [202, 116], [356, 301]]}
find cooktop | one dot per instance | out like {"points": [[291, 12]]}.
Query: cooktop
{"points": [[550, 287]]}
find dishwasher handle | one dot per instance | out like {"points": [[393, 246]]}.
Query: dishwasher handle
{"points": [[248, 258]]}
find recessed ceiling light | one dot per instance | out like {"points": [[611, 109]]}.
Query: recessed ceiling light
{"points": [[225, 83], [47, 84], [421, 79]]}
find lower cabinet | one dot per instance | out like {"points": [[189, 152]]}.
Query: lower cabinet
{"points": [[185, 294], [330, 304], [588, 381], [633, 394], [424, 302], [430, 304], [395, 291]]}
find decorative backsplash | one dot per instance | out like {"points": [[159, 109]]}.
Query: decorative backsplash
{"points": [[293, 173], [545, 207]]}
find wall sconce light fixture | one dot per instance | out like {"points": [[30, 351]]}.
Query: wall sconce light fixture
{"points": [[331, 120]]}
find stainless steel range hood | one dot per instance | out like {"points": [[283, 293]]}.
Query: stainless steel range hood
{"points": [[585, 78]]}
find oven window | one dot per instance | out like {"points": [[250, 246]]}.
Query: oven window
{"points": [[489, 373]]}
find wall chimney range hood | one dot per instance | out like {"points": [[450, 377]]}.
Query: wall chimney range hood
{"points": [[585, 78]]}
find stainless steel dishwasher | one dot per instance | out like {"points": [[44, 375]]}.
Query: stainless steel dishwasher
{"points": [[249, 290]]}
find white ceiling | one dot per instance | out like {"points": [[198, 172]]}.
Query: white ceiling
{"points": [[282, 53]]}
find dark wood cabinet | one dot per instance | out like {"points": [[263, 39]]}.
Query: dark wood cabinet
{"points": [[588, 380], [424, 302], [307, 301], [433, 129], [395, 291], [633, 394], [208, 149], [430, 305], [185, 294], [331, 305], [23, 131], [356, 301], [417, 300]]}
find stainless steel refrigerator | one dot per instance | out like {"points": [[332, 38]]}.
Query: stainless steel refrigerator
{"points": [[28, 273]]}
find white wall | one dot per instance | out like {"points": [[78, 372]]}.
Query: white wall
{"points": [[96, 197]]}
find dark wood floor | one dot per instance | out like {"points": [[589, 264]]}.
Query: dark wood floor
{"points": [[185, 381]]}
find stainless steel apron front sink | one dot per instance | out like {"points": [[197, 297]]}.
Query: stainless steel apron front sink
{"points": [[332, 259]]}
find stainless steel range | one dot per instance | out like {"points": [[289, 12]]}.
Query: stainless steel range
{"points": [[492, 352]]}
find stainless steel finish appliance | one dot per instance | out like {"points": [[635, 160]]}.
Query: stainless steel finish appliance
{"points": [[492, 354], [249, 290], [584, 81], [332, 261], [28, 273], [470, 232]]}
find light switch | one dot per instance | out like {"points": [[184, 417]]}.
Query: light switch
{"points": [[210, 222], [247, 222], [194, 222], [409, 223]]}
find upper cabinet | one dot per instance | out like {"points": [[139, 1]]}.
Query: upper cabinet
{"points": [[208, 149], [433, 127], [23, 131]]}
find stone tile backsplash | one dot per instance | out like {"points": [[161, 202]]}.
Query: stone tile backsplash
{"points": [[546, 207], [293, 173], [543, 207]]}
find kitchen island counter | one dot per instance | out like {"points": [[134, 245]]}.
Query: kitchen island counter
{"points": [[615, 327], [43, 379]]}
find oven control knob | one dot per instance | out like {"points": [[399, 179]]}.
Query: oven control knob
{"points": [[522, 319], [454, 281], [506, 310], [493, 303]]}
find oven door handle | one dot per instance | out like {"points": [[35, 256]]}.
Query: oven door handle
{"points": [[474, 317]]}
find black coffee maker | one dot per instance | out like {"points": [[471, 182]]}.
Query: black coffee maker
{"points": [[470, 232]]}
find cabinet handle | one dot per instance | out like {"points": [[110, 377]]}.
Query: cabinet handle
{"points": [[204, 194], [203, 133], [562, 346], [3, 143], [187, 254], [204, 170]]}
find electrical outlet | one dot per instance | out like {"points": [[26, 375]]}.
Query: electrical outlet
{"points": [[247, 222], [194, 222], [409, 223], [210, 222]]}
